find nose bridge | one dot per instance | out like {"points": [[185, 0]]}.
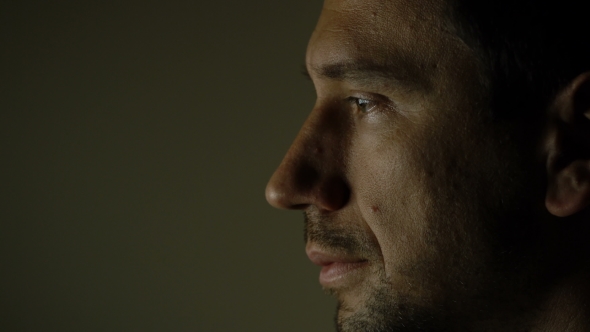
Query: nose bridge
{"points": [[319, 143], [313, 170]]}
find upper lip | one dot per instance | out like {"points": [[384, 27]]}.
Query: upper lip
{"points": [[322, 257]]}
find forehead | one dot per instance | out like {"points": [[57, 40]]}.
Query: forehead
{"points": [[410, 35]]}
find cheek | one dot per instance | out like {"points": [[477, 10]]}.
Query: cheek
{"points": [[391, 193]]}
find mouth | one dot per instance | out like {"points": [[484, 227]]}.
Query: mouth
{"points": [[338, 270]]}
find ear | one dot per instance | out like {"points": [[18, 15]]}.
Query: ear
{"points": [[568, 147]]}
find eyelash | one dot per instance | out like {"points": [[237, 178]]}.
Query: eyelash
{"points": [[360, 103]]}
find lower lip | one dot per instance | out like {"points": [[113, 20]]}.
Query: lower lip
{"points": [[337, 272]]}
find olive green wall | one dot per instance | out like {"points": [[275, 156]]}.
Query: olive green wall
{"points": [[136, 141]]}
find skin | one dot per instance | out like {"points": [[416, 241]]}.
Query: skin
{"points": [[402, 167]]}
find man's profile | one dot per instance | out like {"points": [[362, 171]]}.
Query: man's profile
{"points": [[444, 171]]}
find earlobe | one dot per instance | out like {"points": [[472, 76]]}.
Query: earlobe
{"points": [[568, 147], [569, 190]]}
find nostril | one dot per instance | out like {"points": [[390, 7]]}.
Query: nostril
{"points": [[299, 186], [333, 194]]}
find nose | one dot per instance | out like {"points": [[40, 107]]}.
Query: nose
{"points": [[313, 171]]}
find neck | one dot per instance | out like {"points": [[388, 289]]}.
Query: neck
{"points": [[567, 307], [567, 304], [554, 294]]}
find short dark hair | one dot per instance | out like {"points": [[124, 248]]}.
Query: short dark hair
{"points": [[529, 49]]}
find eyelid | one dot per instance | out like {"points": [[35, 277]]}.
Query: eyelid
{"points": [[375, 101], [356, 101]]}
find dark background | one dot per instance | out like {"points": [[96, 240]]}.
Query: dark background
{"points": [[136, 141]]}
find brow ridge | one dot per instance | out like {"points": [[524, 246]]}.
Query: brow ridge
{"points": [[366, 71]]}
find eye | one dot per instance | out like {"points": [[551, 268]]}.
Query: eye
{"points": [[362, 105]]}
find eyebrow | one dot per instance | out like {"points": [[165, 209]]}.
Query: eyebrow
{"points": [[368, 72]]}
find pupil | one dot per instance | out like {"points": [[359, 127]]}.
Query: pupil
{"points": [[363, 103]]}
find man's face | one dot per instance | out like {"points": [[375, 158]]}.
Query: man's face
{"points": [[411, 206]]}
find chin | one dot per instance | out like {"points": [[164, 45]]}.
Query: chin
{"points": [[381, 313], [379, 307]]}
